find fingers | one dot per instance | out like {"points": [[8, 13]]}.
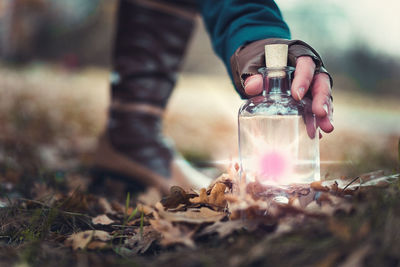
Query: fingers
{"points": [[303, 77], [322, 105], [253, 85], [325, 124]]}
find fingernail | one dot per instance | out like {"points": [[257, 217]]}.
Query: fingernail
{"points": [[331, 120], [325, 107], [298, 95], [300, 92], [249, 81]]}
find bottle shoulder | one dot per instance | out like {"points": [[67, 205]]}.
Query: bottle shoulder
{"points": [[271, 105]]}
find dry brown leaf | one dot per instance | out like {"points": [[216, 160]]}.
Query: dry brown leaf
{"points": [[129, 211], [335, 188], [224, 229], [294, 201], [317, 185], [313, 207], [222, 179], [202, 198], [177, 196], [172, 234], [232, 198], [150, 197], [220, 201], [330, 204], [118, 207], [102, 219], [144, 209], [105, 206], [371, 176], [304, 200], [96, 245], [195, 216], [217, 195], [382, 181], [244, 202], [81, 240], [255, 189], [141, 243]]}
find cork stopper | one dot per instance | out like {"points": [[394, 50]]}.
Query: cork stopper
{"points": [[276, 57]]}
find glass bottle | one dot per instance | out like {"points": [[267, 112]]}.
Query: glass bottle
{"points": [[278, 136]]}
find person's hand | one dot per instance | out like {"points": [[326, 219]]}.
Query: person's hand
{"points": [[310, 77], [304, 80]]}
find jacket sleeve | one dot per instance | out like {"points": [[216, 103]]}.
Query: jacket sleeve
{"points": [[232, 23]]}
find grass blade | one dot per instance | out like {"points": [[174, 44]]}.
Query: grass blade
{"points": [[128, 200], [132, 214]]}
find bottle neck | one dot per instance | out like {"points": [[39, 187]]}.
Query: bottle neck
{"points": [[277, 85]]}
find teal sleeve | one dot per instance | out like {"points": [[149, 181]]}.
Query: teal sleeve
{"points": [[232, 23]]}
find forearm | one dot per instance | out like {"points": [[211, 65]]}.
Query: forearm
{"points": [[232, 23]]}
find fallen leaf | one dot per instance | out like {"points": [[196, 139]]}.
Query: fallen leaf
{"points": [[173, 234], [96, 245], [177, 196], [141, 243], [105, 206], [317, 186], [102, 219], [214, 196], [335, 187], [202, 198], [150, 197], [304, 200], [145, 209], [255, 189], [225, 179], [118, 207], [371, 176], [81, 240], [129, 211], [226, 228], [195, 216], [217, 195]]}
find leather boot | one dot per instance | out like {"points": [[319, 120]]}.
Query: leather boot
{"points": [[150, 42]]}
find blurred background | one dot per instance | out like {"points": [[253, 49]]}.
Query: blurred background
{"points": [[55, 64]]}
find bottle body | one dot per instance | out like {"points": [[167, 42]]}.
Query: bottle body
{"points": [[278, 136]]}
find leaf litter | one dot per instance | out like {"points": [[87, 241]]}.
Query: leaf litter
{"points": [[226, 209]]}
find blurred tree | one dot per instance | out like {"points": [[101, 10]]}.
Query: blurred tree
{"points": [[71, 31], [374, 72], [18, 19]]}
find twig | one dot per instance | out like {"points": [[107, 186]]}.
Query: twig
{"points": [[352, 181]]}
